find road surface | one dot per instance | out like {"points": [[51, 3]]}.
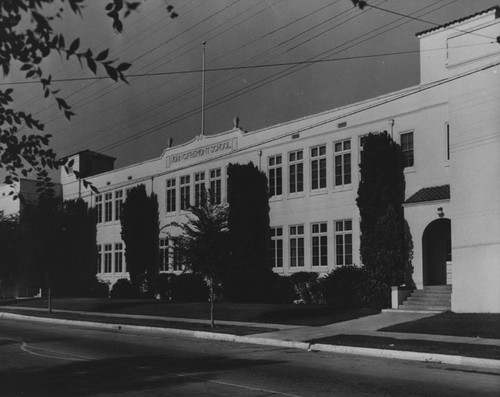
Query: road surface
{"points": [[52, 360]]}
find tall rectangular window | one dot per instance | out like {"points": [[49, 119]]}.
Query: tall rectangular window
{"points": [[276, 247], [447, 138], [297, 246], [171, 195], [296, 171], [98, 207], [185, 185], [275, 176], [118, 257], [108, 258], [173, 255], [319, 244], [163, 255], [318, 167], [108, 207], [118, 204], [342, 161], [407, 149], [215, 186], [343, 242], [99, 259], [199, 188]]}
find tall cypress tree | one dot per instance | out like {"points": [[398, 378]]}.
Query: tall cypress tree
{"points": [[249, 231], [380, 198], [140, 233]]}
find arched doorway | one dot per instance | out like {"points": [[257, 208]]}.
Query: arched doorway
{"points": [[436, 244]]}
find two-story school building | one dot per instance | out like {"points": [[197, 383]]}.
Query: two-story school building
{"points": [[448, 127]]}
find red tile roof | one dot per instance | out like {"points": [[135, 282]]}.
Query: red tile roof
{"points": [[430, 194]]}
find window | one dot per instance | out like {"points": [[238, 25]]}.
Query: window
{"points": [[215, 186], [118, 204], [296, 171], [275, 176], [185, 191], [108, 256], [407, 149], [163, 255], [98, 207], [108, 207], [171, 195], [118, 258], [99, 258], [318, 167], [319, 244], [277, 247], [447, 138], [199, 188], [296, 246], [342, 161], [343, 242]]}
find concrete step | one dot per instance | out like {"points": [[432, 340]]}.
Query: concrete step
{"points": [[431, 298]]}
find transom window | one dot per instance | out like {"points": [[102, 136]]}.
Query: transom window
{"points": [[297, 246], [296, 171], [275, 176], [342, 161], [318, 167], [319, 244]]}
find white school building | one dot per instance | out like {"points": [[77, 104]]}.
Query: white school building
{"points": [[449, 130]]}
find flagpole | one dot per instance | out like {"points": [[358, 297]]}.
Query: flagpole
{"points": [[203, 91]]}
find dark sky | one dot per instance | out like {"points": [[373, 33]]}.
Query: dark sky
{"points": [[133, 122]]}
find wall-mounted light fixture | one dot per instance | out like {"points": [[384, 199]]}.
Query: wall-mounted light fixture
{"points": [[440, 212]]}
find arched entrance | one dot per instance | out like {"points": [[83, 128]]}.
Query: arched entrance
{"points": [[436, 245]]}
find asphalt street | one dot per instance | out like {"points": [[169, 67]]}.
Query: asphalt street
{"points": [[52, 360]]}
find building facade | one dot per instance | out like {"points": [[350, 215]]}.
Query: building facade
{"points": [[449, 130]]}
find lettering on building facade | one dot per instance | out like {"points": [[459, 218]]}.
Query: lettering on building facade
{"points": [[219, 147]]}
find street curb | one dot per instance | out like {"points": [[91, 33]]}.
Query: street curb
{"points": [[351, 350]]}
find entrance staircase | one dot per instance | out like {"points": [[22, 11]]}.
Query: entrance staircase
{"points": [[431, 298]]}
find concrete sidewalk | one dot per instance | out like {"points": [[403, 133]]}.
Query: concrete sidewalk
{"points": [[290, 335]]}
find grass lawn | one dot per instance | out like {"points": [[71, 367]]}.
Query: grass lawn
{"points": [[475, 325], [459, 349], [309, 315]]}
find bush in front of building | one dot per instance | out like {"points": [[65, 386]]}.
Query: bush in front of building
{"points": [[345, 287], [284, 289], [164, 283], [123, 289], [189, 287], [307, 287], [98, 289]]}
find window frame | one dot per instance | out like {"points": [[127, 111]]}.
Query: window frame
{"points": [[296, 172], [276, 249], [346, 251], [408, 154], [296, 239], [319, 244], [275, 174], [215, 183], [185, 192], [318, 164], [171, 196], [343, 154]]}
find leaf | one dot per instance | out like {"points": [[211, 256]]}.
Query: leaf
{"points": [[102, 55], [94, 189], [92, 65], [26, 66], [74, 46], [123, 66], [111, 72]]}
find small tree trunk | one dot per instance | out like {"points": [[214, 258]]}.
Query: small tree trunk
{"points": [[212, 320]]}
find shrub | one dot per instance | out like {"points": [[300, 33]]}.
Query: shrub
{"points": [[345, 287], [189, 287], [164, 283], [123, 289], [284, 290], [307, 287], [98, 289]]}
